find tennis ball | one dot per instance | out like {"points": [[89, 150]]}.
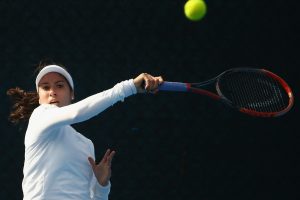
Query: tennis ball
{"points": [[195, 9]]}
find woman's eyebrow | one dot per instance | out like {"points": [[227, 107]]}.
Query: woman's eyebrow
{"points": [[60, 81]]}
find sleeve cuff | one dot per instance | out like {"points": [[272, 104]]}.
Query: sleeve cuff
{"points": [[131, 89], [102, 192], [125, 89]]}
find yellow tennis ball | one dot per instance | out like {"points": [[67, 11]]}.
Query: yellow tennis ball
{"points": [[195, 10]]}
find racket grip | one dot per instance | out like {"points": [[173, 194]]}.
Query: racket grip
{"points": [[173, 86]]}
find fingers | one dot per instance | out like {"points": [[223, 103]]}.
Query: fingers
{"points": [[160, 79], [108, 156], [104, 159], [147, 83], [151, 82]]}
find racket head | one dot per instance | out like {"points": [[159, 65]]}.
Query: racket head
{"points": [[256, 92]]}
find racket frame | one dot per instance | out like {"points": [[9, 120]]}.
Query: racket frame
{"points": [[195, 88]]}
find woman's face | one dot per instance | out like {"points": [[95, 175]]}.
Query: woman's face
{"points": [[53, 88]]}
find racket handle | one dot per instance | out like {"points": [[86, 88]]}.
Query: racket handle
{"points": [[173, 86]]}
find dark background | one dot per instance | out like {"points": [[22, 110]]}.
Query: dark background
{"points": [[169, 146]]}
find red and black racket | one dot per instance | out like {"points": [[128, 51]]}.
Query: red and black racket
{"points": [[256, 92]]}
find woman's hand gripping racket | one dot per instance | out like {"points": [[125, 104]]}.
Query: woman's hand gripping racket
{"points": [[256, 92]]}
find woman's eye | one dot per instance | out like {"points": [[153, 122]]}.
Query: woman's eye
{"points": [[60, 86], [45, 87]]}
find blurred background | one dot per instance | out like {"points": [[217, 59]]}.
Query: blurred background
{"points": [[169, 145]]}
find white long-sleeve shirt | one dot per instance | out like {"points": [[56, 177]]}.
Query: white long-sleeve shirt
{"points": [[56, 156]]}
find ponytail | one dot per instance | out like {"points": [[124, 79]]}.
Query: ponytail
{"points": [[23, 104]]}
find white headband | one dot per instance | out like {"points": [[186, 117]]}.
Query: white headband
{"points": [[53, 68]]}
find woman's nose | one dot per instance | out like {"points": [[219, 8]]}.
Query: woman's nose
{"points": [[52, 92]]}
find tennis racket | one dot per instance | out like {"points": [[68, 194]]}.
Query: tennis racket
{"points": [[256, 92]]}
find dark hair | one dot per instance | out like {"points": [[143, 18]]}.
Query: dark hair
{"points": [[25, 102]]}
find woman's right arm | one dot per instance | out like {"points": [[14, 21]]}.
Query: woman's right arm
{"points": [[48, 119], [54, 117]]}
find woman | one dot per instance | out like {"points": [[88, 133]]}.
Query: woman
{"points": [[60, 162]]}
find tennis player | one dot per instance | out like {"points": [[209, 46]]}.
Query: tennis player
{"points": [[59, 161]]}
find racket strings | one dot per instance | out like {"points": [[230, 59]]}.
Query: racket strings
{"points": [[254, 91]]}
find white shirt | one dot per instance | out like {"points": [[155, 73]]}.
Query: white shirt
{"points": [[56, 156]]}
